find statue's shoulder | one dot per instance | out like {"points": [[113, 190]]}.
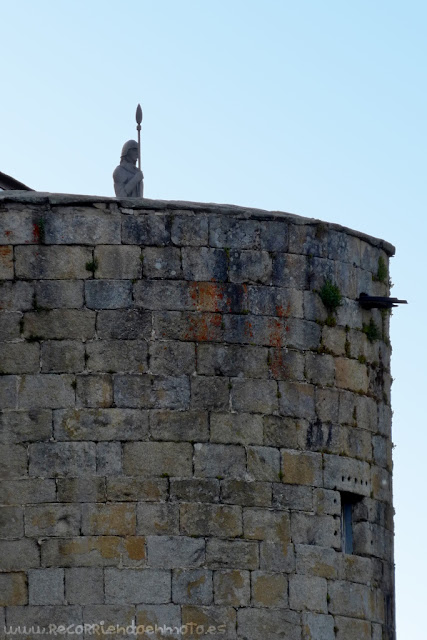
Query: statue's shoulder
{"points": [[119, 172]]}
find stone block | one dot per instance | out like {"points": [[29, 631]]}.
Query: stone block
{"points": [[302, 334], [289, 496], [275, 301], [382, 451], [308, 593], [236, 428], [249, 494], [125, 356], [302, 468], [219, 297], [322, 531], [192, 586], [351, 374], [162, 262], [172, 358], [123, 324], [327, 502], [232, 360], [166, 618], [322, 436], [11, 522], [204, 264], [13, 461], [259, 396], [16, 296], [59, 459], [276, 556], [217, 460], [8, 392], [94, 391], [290, 271], [9, 326], [25, 426], [351, 629], [320, 369], [109, 458], [255, 623], [85, 489], [232, 554], [189, 230], [314, 309], [169, 552], [309, 239], [81, 225], [281, 432], [222, 521], [210, 392], [157, 519], [131, 586], [263, 463], [327, 404], [334, 340], [27, 491], [352, 600], [213, 620], [130, 489], [57, 294], [146, 228], [232, 587], [179, 425], [52, 263], [193, 327], [296, 400], [19, 225], [6, 262], [194, 490], [234, 233], [264, 524], [359, 569], [158, 459], [152, 392], [117, 620], [317, 626], [109, 519], [52, 520], [164, 294], [55, 618], [19, 555], [46, 586], [322, 562], [62, 356], [83, 585], [250, 266], [100, 424], [108, 294], [118, 262], [46, 391], [346, 474], [93, 551], [269, 590], [60, 324], [13, 590], [381, 484]]}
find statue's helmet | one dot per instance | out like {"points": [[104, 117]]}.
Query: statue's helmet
{"points": [[130, 144]]}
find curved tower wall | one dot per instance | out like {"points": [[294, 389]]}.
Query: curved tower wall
{"points": [[189, 437]]}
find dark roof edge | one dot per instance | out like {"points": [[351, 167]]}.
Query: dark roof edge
{"points": [[59, 199], [9, 183]]}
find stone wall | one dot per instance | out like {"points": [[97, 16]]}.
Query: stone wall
{"points": [[182, 418]]}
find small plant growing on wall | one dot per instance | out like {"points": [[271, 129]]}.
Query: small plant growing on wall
{"points": [[331, 298], [382, 273]]}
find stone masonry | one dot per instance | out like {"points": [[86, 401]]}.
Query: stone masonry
{"points": [[183, 420]]}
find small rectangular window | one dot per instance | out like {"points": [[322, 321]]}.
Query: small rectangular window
{"points": [[347, 503]]}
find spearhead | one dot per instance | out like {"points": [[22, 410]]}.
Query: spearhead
{"points": [[138, 115]]}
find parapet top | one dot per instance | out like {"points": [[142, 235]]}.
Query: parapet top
{"points": [[64, 199]]}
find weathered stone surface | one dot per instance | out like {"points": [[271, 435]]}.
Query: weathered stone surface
{"points": [[117, 262], [57, 520], [94, 391], [217, 460], [280, 624], [52, 460], [323, 531], [9, 326], [277, 556], [124, 356], [83, 489], [100, 424], [296, 400], [210, 392], [250, 266], [236, 428], [232, 360], [16, 296], [221, 521], [194, 490], [147, 228], [164, 294], [59, 294], [124, 489], [179, 426], [167, 552], [249, 494], [192, 327], [158, 458], [259, 396], [60, 324], [157, 519], [13, 461], [93, 551], [46, 586], [317, 626], [263, 463], [108, 519], [62, 356], [11, 522], [269, 590], [346, 474], [84, 585], [19, 555], [351, 374], [239, 554], [318, 561], [52, 263], [151, 392], [13, 590], [108, 294], [232, 588], [48, 390], [124, 586], [162, 262], [302, 468], [6, 262], [189, 230], [192, 586], [263, 524], [26, 491], [81, 225], [172, 358], [25, 426], [123, 324], [204, 264]]}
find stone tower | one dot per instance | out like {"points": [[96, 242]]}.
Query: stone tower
{"points": [[196, 425]]}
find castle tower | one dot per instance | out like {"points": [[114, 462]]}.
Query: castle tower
{"points": [[196, 425]]}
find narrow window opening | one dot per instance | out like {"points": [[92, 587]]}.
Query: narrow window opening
{"points": [[347, 503]]}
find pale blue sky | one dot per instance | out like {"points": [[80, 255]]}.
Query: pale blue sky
{"points": [[317, 107]]}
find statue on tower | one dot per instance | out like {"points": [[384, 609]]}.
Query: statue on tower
{"points": [[128, 178]]}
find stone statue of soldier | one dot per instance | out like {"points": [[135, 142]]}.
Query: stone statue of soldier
{"points": [[128, 179]]}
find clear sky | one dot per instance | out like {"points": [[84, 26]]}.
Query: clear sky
{"points": [[316, 107]]}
